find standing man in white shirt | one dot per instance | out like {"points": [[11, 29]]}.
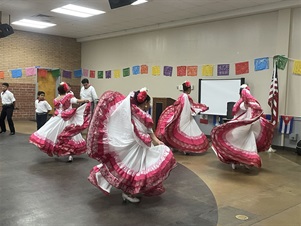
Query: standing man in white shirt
{"points": [[88, 92], [8, 106]]}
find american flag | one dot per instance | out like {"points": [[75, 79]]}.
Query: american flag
{"points": [[273, 100]]}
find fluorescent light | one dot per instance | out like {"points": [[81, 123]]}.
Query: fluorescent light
{"points": [[138, 2], [72, 13], [78, 11], [33, 23]]}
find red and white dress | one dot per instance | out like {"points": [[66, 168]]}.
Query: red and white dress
{"points": [[240, 140], [177, 128], [119, 139], [60, 135]]}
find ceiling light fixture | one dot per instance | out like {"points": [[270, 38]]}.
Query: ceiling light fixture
{"points": [[33, 23], [78, 11], [138, 2]]}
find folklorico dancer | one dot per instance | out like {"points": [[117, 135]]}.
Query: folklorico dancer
{"points": [[60, 135], [131, 157], [177, 127], [239, 140]]}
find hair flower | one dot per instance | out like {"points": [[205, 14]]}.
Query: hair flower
{"points": [[245, 86], [65, 85], [187, 83], [144, 89], [141, 97]]}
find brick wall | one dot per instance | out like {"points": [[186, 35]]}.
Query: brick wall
{"points": [[26, 49], [25, 98]]}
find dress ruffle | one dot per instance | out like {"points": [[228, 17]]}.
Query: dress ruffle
{"points": [[118, 138]]}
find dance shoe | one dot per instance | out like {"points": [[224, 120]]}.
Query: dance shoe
{"points": [[233, 166], [247, 167], [129, 198]]}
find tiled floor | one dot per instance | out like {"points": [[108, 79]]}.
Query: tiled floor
{"points": [[270, 196]]}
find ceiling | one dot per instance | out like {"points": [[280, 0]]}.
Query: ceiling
{"points": [[156, 14]]}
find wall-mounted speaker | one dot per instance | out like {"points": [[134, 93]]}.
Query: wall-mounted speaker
{"points": [[120, 3], [5, 30]]}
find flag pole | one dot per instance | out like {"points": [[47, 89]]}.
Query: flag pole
{"points": [[271, 150], [282, 134]]}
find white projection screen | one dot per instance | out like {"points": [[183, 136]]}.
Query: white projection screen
{"points": [[216, 93]]}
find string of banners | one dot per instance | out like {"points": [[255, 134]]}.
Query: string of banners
{"points": [[240, 68]]}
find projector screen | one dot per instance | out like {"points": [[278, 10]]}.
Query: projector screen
{"points": [[216, 93]]}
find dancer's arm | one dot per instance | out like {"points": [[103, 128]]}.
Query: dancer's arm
{"points": [[155, 139], [79, 101]]}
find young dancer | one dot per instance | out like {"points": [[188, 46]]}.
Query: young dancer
{"points": [[239, 140], [42, 109], [131, 157], [177, 128], [60, 135]]}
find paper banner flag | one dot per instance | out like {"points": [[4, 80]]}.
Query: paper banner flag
{"points": [[42, 73], [108, 74], [126, 72], [281, 62], [116, 73], [16, 73], [156, 70], [100, 74], [92, 74], [86, 72], [144, 69], [207, 70], [67, 74], [30, 71], [242, 68], [261, 64], [286, 124], [223, 69], [167, 70], [297, 67], [1, 74], [78, 73], [181, 71], [56, 72], [136, 70], [192, 70]]}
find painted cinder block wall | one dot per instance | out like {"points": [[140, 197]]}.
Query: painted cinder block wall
{"points": [[27, 49]]}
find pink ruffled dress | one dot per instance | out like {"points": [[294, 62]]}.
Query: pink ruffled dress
{"points": [[248, 133], [60, 135], [119, 139], [178, 129]]}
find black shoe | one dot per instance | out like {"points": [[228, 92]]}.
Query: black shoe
{"points": [[12, 133], [2, 131]]}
